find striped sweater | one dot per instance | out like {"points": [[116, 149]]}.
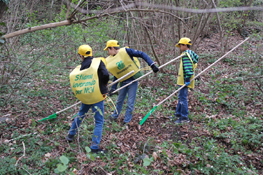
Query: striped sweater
{"points": [[187, 64]]}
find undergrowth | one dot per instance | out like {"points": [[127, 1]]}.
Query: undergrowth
{"points": [[224, 136]]}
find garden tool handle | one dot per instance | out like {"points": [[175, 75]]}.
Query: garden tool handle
{"points": [[124, 76], [68, 107], [148, 73], [118, 80]]}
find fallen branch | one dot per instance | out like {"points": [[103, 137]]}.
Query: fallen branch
{"points": [[33, 29], [7, 141], [258, 85], [103, 13]]}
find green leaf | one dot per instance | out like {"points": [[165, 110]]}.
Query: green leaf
{"points": [[57, 144], [196, 148], [33, 123], [6, 1], [146, 161], [177, 145], [88, 149], [62, 168], [64, 160], [2, 41], [90, 156], [56, 171]]}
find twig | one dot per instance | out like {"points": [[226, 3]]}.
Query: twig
{"points": [[7, 141], [22, 155], [24, 74], [259, 87], [25, 170], [103, 170], [145, 146], [154, 53], [81, 162]]}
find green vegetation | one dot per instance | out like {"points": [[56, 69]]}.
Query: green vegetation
{"points": [[224, 136]]}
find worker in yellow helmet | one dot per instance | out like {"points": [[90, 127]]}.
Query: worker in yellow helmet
{"points": [[186, 74], [120, 62], [89, 84]]}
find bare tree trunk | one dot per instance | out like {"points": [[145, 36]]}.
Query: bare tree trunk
{"points": [[178, 21], [244, 16], [68, 6], [3, 7], [220, 28]]}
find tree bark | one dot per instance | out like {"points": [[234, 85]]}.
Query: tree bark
{"points": [[32, 29], [3, 6]]}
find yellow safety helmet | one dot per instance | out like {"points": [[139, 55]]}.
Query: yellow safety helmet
{"points": [[186, 41], [112, 43], [85, 50]]}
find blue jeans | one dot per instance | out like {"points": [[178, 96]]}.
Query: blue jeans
{"points": [[98, 122], [182, 106], [131, 91]]}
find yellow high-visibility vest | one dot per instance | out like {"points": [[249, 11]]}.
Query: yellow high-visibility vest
{"points": [[180, 78], [121, 64], [85, 83]]}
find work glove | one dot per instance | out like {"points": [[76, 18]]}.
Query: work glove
{"points": [[154, 68], [110, 92], [187, 81]]}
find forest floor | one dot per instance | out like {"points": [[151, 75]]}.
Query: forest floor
{"points": [[215, 140]]}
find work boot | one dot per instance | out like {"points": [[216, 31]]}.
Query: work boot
{"points": [[99, 151], [70, 138], [125, 124], [182, 120], [174, 117]]}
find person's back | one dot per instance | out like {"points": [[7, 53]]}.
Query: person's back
{"points": [[89, 84], [193, 55], [102, 73], [119, 63]]}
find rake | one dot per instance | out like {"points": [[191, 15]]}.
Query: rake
{"points": [[54, 116], [154, 108]]}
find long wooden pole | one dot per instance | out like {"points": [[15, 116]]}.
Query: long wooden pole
{"points": [[147, 73], [204, 70], [118, 80], [53, 116]]}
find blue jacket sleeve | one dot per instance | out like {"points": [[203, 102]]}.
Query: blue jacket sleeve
{"points": [[114, 87], [136, 53]]}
